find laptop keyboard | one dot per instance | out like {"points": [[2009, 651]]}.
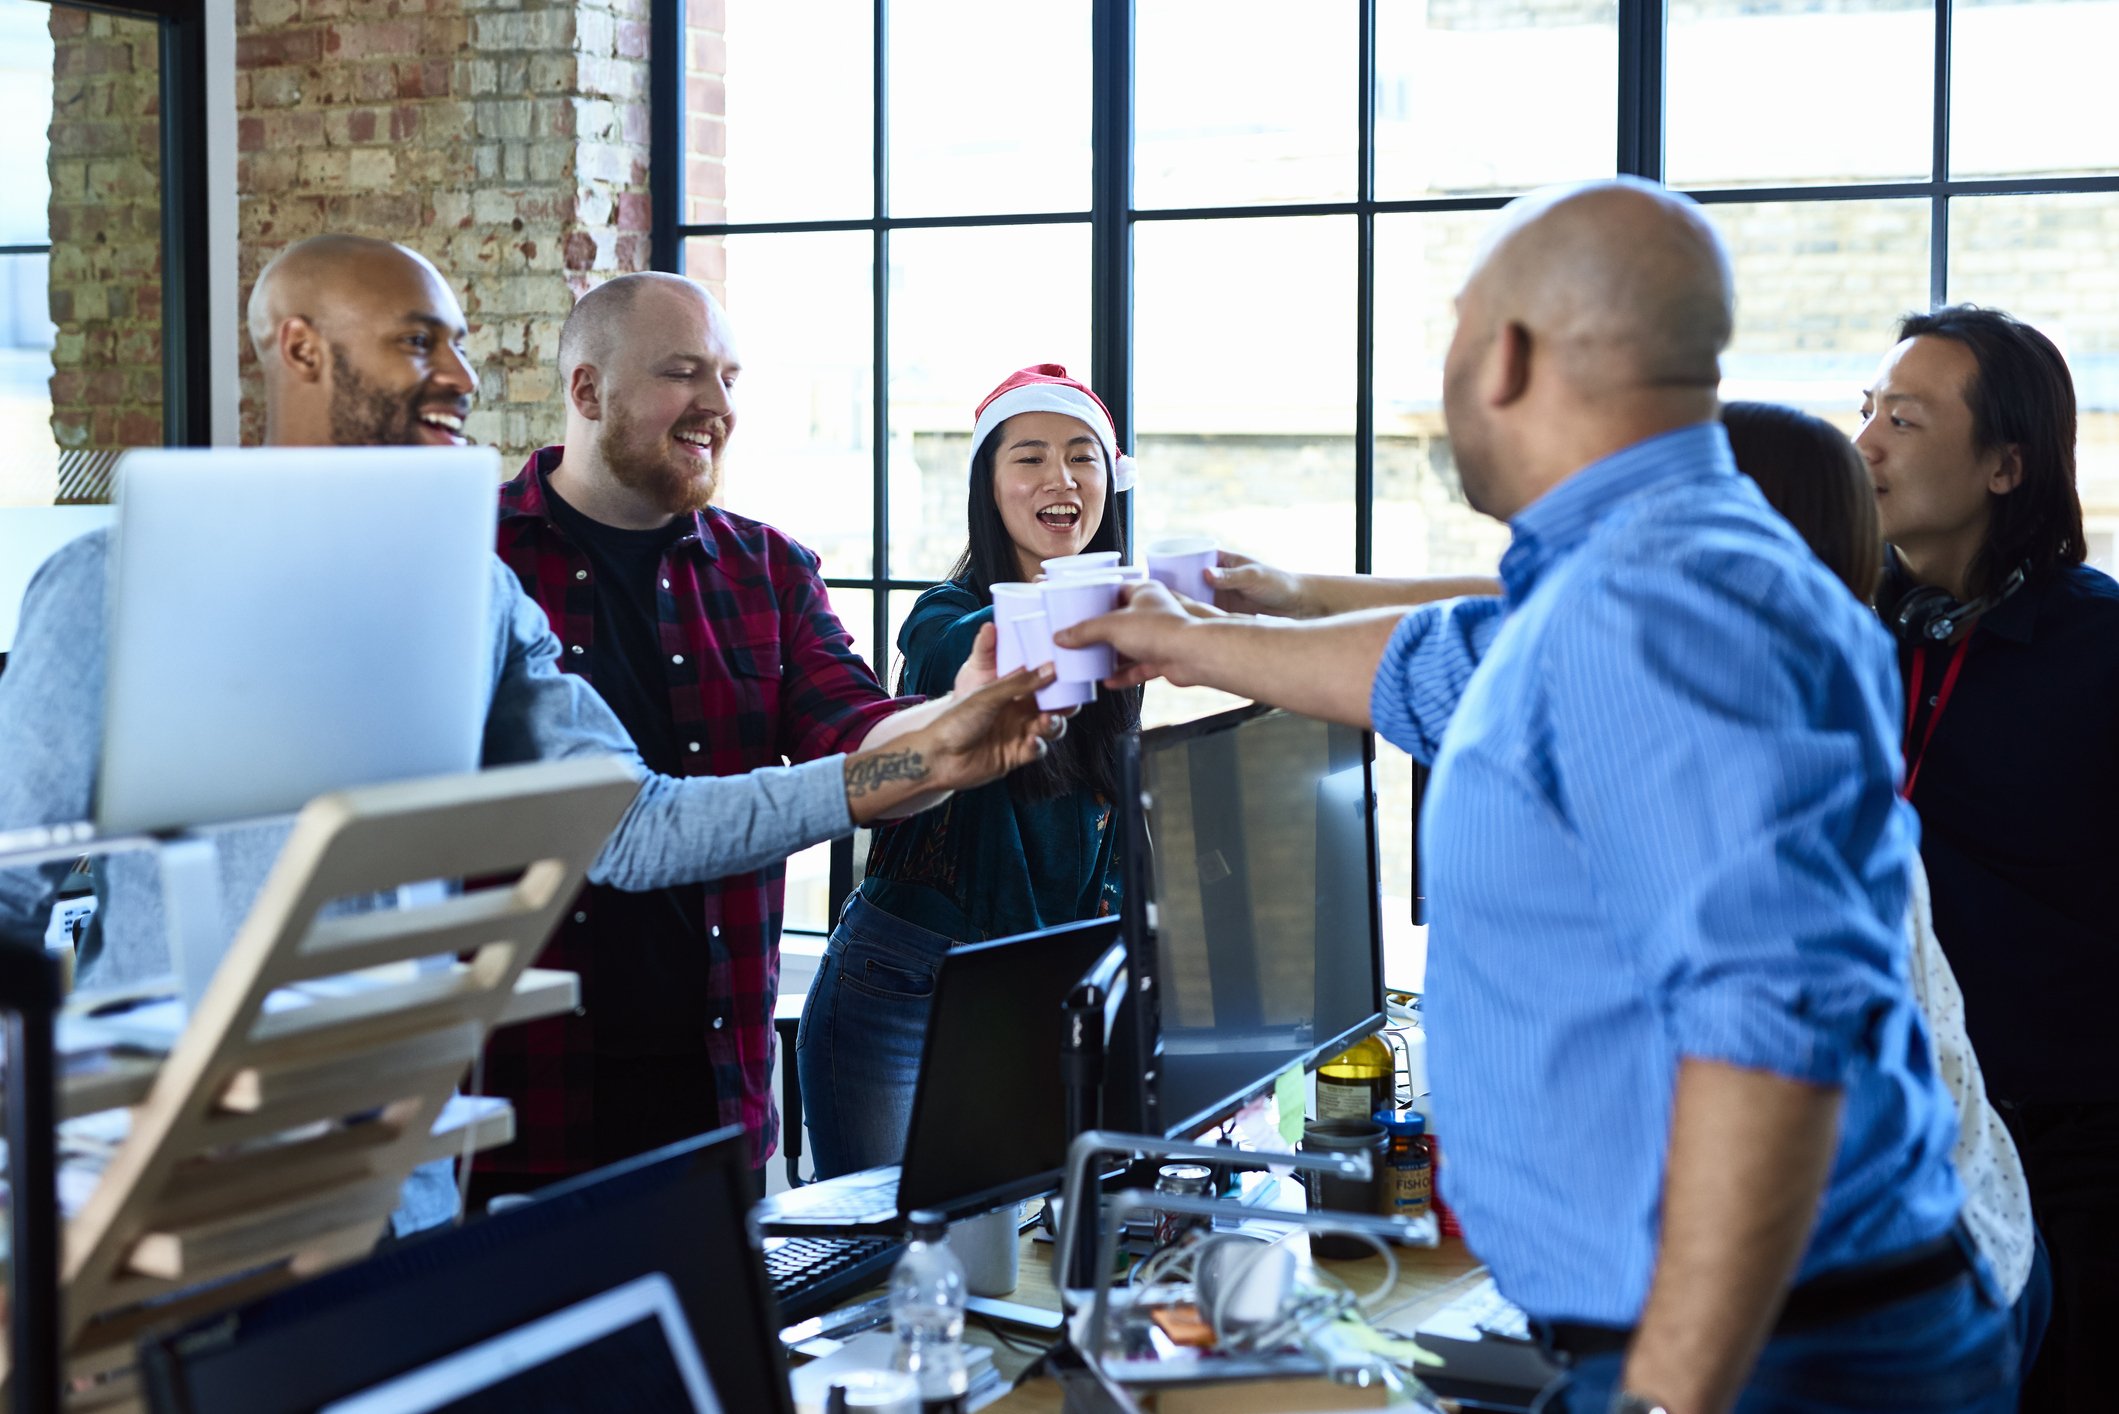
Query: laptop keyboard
{"points": [[811, 1275]]}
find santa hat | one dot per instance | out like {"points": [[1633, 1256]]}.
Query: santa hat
{"points": [[1045, 387]]}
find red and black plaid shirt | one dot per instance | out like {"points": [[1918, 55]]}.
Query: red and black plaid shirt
{"points": [[760, 673]]}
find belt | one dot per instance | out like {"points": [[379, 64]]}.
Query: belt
{"points": [[1821, 1301]]}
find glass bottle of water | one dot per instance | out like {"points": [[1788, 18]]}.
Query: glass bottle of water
{"points": [[927, 1312]]}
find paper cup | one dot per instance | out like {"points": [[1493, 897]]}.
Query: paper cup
{"points": [[1011, 602], [1033, 645], [1094, 562], [1181, 565], [1068, 602]]}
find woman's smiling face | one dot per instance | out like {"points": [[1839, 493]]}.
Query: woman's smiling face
{"points": [[1050, 482]]}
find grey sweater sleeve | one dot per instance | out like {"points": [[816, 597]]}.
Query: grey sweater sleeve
{"points": [[51, 719], [676, 830]]}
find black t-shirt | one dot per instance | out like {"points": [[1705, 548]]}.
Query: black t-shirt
{"points": [[649, 993], [2018, 797]]}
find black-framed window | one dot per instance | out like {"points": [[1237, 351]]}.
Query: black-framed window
{"points": [[81, 84], [1248, 219]]}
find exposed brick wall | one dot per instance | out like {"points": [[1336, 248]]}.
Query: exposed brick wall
{"points": [[507, 143], [106, 212], [706, 137]]}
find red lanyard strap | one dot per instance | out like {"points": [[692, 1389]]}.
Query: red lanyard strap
{"points": [[1916, 758]]}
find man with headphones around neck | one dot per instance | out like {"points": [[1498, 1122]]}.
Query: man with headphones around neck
{"points": [[2009, 645]]}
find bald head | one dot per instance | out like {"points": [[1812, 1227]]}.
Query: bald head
{"points": [[1595, 317], [649, 367], [362, 344], [1626, 284], [599, 317]]}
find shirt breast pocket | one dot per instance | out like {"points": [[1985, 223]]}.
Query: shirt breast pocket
{"points": [[754, 683]]}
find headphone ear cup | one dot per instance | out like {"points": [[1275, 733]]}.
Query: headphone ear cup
{"points": [[1918, 609]]}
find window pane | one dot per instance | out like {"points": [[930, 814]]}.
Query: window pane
{"points": [[808, 894], [758, 97], [1218, 124], [801, 456], [26, 111], [856, 609], [989, 107], [1404, 942], [2046, 259], [1781, 92], [901, 602], [1245, 404], [1819, 289], [1423, 525], [967, 308], [29, 473], [2030, 88], [1467, 93]]}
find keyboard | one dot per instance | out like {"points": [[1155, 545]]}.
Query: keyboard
{"points": [[811, 1275], [868, 1196], [1480, 1312]]}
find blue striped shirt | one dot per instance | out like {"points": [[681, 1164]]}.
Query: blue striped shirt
{"points": [[1663, 823]]}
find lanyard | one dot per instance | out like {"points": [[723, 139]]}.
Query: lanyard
{"points": [[1915, 758]]}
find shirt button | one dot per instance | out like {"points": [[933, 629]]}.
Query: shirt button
{"points": [[665, 584], [691, 746], [676, 657], [715, 931], [581, 918], [718, 1021], [581, 574], [577, 648], [581, 1011], [1932, 701]]}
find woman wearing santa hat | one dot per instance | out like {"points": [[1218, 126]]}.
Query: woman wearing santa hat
{"points": [[1024, 853]]}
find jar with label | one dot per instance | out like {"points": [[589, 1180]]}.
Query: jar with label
{"points": [[1357, 1082], [1408, 1189]]}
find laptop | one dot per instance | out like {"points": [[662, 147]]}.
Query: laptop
{"points": [[289, 621], [989, 1123], [627, 1348], [677, 1211]]}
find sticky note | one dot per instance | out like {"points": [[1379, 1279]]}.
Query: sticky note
{"points": [[1288, 1100]]}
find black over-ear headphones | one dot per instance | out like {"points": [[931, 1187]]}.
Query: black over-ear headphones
{"points": [[1926, 614]]}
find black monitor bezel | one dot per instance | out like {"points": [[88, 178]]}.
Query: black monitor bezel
{"points": [[1146, 1097]]}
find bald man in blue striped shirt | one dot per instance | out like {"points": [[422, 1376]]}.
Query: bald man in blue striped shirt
{"points": [[1694, 1122]]}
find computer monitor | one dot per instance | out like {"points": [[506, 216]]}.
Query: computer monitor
{"points": [[289, 621], [678, 1211], [1253, 916]]}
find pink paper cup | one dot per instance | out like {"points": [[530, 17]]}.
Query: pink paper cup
{"points": [[1034, 644], [1068, 602], [1181, 564], [1011, 602], [1093, 562]]}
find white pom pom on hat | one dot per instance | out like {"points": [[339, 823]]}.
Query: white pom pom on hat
{"points": [[1045, 387]]}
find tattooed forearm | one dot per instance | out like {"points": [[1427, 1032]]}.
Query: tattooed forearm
{"points": [[866, 774]]}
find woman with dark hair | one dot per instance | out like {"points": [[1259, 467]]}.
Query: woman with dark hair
{"points": [[1813, 476], [1046, 479], [2010, 649]]}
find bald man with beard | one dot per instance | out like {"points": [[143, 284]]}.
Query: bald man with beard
{"points": [[713, 638], [1693, 1120], [362, 341]]}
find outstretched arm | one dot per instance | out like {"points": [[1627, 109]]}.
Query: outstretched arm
{"points": [[1243, 585]]}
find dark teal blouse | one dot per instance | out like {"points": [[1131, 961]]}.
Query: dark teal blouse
{"points": [[985, 864]]}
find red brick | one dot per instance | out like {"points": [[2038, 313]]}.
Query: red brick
{"points": [[579, 250], [68, 387], [705, 137], [68, 24], [139, 429], [404, 123], [707, 14], [367, 41], [632, 39], [249, 135], [635, 211], [287, 46], [360, 125]]}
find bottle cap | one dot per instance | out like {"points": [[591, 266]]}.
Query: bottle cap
{"points": [[926, 1225], [1403, 1124]]}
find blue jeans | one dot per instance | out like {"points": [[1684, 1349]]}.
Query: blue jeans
{"points": [[863, 1026], [1946, 1351]]}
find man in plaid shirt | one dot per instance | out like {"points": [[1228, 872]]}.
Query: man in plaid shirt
{"points": [[712, 638]]}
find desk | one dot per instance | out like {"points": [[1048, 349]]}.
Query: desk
{"points": [[1428, 1278]]}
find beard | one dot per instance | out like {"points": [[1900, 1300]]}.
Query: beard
{"points": [[365, 414], [642, 459]]}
